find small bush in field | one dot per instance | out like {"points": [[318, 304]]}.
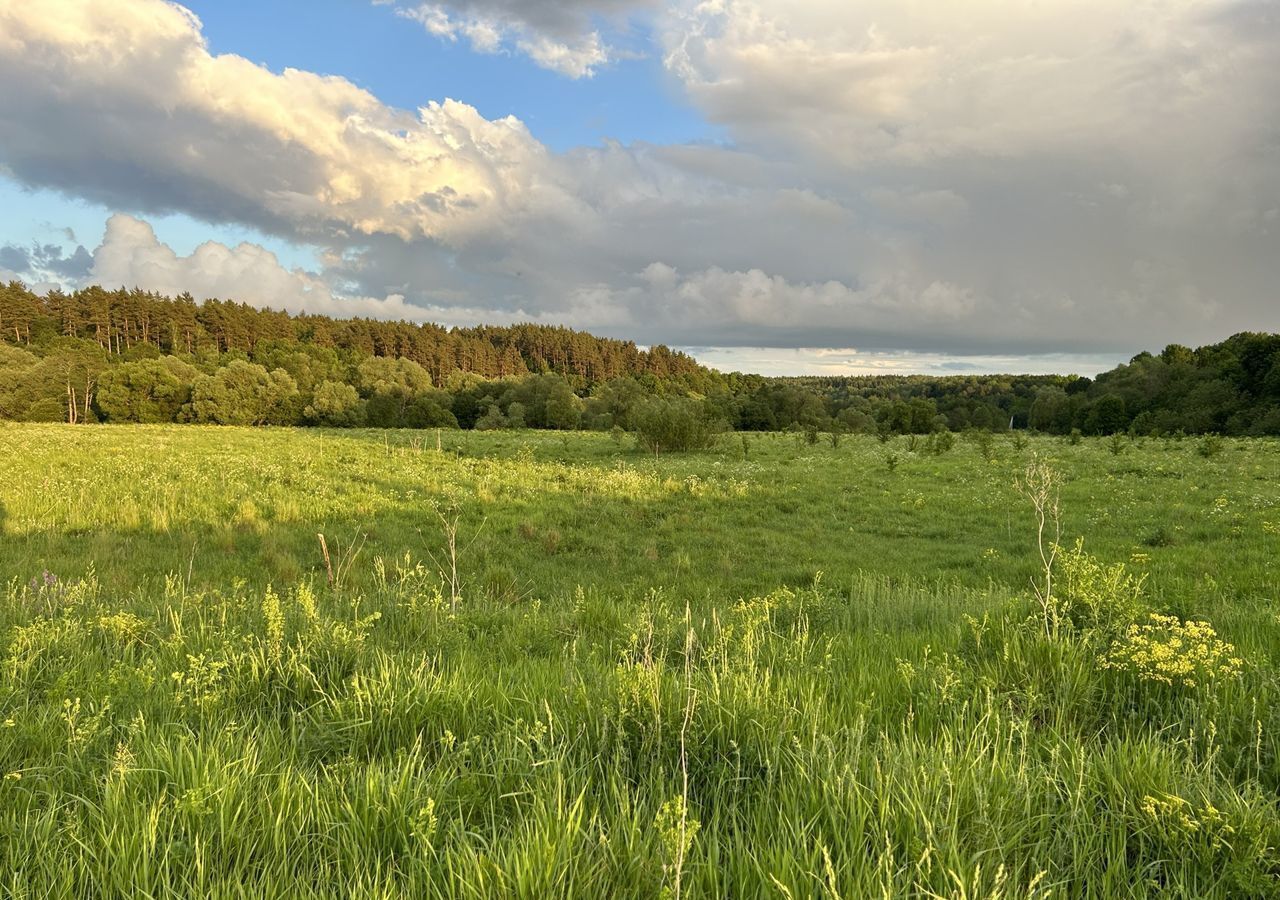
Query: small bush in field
{"points": [[1097, 596], [676, 425], [1210, 447], [986, 444]]}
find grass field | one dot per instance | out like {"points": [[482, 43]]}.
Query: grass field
{"points": [[773, 670]]}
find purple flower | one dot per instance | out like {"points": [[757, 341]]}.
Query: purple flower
{"points": [[45, 581]]}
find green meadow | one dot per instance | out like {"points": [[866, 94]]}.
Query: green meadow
{"points": [[245, 662]]}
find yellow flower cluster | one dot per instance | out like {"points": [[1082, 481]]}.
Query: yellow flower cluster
{"points": [[122, 626], [1171, 651], [1175, 814]]}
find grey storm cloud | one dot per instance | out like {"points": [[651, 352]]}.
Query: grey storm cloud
{"points": [[46, 262], [1078, 177], [15, 259], [560, 18]]}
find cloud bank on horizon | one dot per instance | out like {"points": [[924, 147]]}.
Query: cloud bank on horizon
{"points": [[1050, 178]]}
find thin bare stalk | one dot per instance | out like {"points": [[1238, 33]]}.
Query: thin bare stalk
{"points": [[1040, 485], [447, 562]]}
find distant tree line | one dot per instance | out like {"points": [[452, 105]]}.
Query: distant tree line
{"points": [[130, 356], [1232, 387]]}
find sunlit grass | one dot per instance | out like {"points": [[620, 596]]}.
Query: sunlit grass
{"points": [[795, 674]]}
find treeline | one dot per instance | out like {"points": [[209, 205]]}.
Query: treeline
{"points": [[918, 404], [130, 323], [130, 356], [1232, 387]]}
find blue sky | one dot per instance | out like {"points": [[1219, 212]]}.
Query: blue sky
{"points": [[631, 100], [817, 187]]}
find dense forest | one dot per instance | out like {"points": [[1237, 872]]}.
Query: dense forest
{"points": [[95, 355]]}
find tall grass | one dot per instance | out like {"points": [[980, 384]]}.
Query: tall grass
{"points": [[191, 723]]}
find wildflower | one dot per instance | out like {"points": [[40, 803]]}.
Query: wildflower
{"points": [[1173, 652], [46, 580]]}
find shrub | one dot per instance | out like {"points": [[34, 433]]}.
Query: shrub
{"points": [[1210, 447], [492, 420], [1096, 596], [676, 425], [986, 444]]}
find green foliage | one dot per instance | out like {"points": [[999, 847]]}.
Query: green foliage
{"points": [[14, 363], [1210, 447], [986, 444], [395, 406], [1107, 416], [242, 393], [385, 375], [149, 391], [1098, 597], [335, 404], [493, 419], [676, 425], [941, 442], [562, 379], [40, 390]]}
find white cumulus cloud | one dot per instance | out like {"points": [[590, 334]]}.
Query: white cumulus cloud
{"points": [[972, 178], [131, 255], [125, 102]]}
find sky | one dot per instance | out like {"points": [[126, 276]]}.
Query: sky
{"points": [[786, 188]]}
